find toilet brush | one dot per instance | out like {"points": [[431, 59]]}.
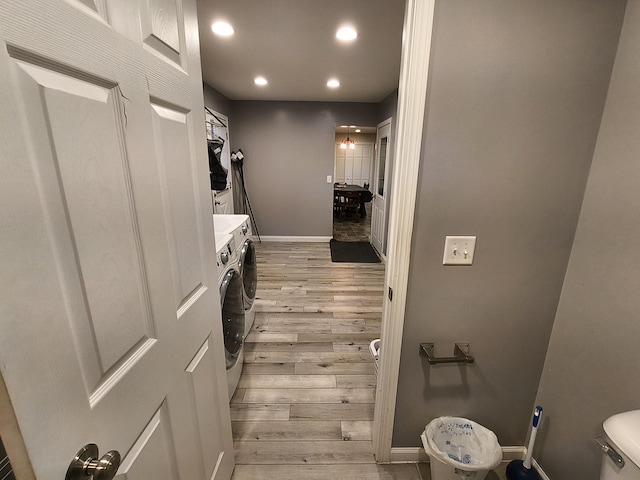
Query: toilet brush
{"points": [[521, 469]]}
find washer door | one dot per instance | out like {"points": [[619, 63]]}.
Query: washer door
{"points": [[232, 316], [248, 272]]}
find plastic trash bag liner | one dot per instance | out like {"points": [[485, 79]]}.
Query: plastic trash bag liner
{"points": [[463, 443]]}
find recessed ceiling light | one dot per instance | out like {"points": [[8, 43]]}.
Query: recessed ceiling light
{"points": [[357, 130], [222, 28], [260, 81], [346, 34], [333, 83]]}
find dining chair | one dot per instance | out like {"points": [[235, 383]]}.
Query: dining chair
{"points": [[349, 202]]}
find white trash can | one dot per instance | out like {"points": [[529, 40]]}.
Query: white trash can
{"points": [[459, 448]]}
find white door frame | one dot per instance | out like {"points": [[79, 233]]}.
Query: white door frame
{"points": [[414, 69]]}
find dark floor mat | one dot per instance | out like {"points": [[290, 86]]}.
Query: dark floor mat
{"points": [[352, 252]]}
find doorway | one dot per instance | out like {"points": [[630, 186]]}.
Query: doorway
{"points": [[353, 174]]}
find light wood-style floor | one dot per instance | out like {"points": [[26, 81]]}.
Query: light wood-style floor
{"points": [[303, 409], [304, 405]]}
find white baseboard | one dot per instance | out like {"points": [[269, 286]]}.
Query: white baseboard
{"points": [[278, 238], [418, 455], [408, 455], [538, 468]]}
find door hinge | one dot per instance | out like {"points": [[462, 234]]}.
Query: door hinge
{"points": [[390, 294]]}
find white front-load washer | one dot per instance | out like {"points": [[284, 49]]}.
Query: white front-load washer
{"points": [[232, 308], [240, 227]]}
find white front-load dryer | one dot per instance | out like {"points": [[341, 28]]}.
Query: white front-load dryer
{"points": [[232, 308], [249, 273], [239, 227]]}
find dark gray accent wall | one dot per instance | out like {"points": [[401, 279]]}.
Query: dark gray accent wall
{"points": [[515, 99], [289, 150], [388, 107], [216, 101], [592, 367]]}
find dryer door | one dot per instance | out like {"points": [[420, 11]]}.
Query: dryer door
{"points": [[232, 316], [248, 271]]}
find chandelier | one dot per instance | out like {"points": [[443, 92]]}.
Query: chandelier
{"points": [[347, 142]]}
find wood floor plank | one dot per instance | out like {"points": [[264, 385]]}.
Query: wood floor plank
{"points": [[351, 347], [346, 368], [356, 430], [254, 413], [303, 452], [328, 411], [306, 347], [288, 357], [303, 327], [355, 381], [271, 337], [273, 317], [357, 328], [306, 395], [327, 472], [338, 337], [306, 430], [290, 381], [270, 369]]}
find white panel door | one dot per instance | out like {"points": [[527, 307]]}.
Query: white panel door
{"points": [[111, 329], [380, 187]]}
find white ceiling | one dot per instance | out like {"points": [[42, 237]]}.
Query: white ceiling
{"points": [[292, 44]]}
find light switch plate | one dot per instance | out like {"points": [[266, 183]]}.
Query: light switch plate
{"points": [[459, 250], [328, 178]]}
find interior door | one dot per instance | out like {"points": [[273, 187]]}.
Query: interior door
{"points": [[381, 186], [110, 310]]}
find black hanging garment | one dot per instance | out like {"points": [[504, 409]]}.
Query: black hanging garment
{"points": [[217, 172]]}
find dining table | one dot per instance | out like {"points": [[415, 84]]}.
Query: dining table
{"points": [[365, 194]]}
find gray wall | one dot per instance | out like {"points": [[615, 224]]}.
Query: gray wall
{"points": [[388, 106], [592, 367], [515, 99], [289, 151], [216, 101]]}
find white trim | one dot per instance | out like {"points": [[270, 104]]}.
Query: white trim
{"points": [[418, 455], [538, 468], [278, 238], [408, 455], [414, 69], [513, 453]]}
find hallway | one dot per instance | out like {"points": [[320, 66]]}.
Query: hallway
{"points": [[352, 228], [304, 404]]}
